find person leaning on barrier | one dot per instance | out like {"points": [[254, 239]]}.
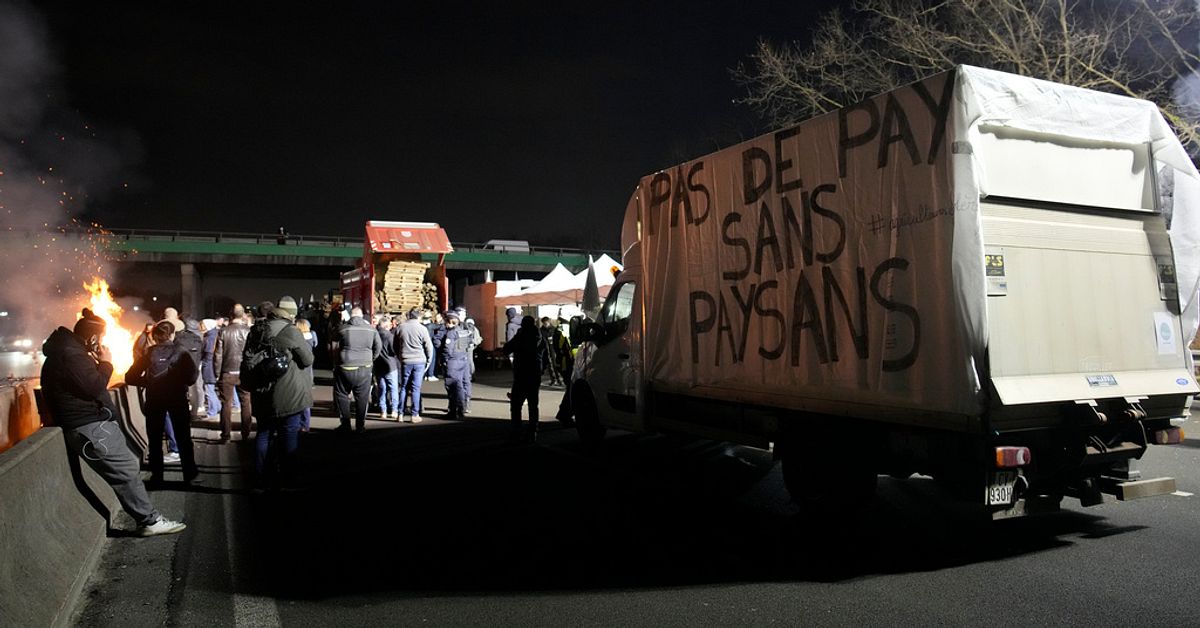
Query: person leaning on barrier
{"points": [[75, 386]]}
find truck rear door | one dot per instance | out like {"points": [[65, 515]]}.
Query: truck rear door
{"points": [[1082, 304]]}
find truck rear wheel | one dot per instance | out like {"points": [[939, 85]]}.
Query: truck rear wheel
{"points": [[587, 419], [827, 482]]}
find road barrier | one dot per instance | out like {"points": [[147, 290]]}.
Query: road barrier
{"points": [[53, 522]]}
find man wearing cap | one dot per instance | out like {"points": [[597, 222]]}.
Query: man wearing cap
{"points": [[75, 386], [357, 347], [455, 353], [280, 408]]}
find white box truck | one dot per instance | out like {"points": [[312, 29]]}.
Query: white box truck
{"points": [[980, 277]]}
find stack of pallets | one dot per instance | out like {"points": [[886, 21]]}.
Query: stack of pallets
{"points": [[402, 287]]}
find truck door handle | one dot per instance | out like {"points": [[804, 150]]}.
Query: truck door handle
{"points": [[623, 356]]}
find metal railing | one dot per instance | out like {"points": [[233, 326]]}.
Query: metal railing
{"points": [[235, 237]]}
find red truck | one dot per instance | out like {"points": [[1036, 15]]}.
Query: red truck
{"points": [[392, 269]]}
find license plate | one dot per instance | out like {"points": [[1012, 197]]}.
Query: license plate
{"points": [[1000, 488]]}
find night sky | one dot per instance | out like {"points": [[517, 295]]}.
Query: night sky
{"points": [[497, 120]]}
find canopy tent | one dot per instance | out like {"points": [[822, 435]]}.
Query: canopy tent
{"points": [[560, 287], [604, 274]]}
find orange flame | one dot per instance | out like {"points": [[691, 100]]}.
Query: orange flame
{"points": [[118, 339]]}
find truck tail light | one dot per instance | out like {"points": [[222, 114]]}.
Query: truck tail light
{"points": [[1012, 457], [1168, 436]]}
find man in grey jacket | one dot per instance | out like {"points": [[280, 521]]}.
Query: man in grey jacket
{"points": [[358, 345], [414, 347]]}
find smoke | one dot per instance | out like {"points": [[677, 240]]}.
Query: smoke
{"points": [[52, 162]]}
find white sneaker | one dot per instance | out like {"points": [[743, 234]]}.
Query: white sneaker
{"points": [[408, 419], [162, 526], [172, 456], [416, 418]]}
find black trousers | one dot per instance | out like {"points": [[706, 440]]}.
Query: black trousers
{"points": [[525, 390], [357, 382], [178, 412]]}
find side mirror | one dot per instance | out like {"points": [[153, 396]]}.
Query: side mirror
{"points": [[591, 332]]}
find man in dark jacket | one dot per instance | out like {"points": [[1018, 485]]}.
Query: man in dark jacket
{"points": [[227, 364], [387, 371], [208, 375], [75, 386], [191, 341], [280, 407], [357, 347], [529, 354], [165, 371]]}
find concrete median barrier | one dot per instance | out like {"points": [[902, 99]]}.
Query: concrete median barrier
{"points": [[53, 523]]}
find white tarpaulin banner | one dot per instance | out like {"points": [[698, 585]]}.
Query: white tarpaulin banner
{"points": [[843, 258]]}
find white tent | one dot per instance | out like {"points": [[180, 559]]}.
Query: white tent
{"points": [[560, 287], [604, 274]]}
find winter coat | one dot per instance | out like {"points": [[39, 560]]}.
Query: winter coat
{"points": [[74, 384], [292, 392], [514, 323], [177, 369], [206, 356], [231, 341], [359, 343], [529, 354], [455, 347], [387, 361], [191, 342]]}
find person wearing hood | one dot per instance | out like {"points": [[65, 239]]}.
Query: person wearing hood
{"points": [[280, 408], [74, 383], [513, 325], [528, 351], [166, 371]]}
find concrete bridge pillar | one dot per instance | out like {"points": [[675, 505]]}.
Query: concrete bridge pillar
{"points": [[190, 284]]}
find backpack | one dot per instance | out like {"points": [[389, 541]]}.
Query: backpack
{"points": [[264, 361]]}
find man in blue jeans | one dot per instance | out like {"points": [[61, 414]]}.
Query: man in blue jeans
{"points": [[415, 349], [279, 408], [387, 371]]}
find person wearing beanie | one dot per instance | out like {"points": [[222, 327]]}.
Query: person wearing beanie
{"points": [[74, 383], [166, 371], [280, 409]]}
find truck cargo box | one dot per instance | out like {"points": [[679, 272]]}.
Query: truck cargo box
{"points": [[974, 247]]}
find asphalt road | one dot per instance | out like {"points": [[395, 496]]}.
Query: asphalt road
{"points": [[444, 523]]}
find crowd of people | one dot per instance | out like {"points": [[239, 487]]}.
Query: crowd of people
{"points": [[258, 363]]}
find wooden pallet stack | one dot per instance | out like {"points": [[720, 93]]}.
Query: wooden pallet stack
{"points": [[402, 287]]}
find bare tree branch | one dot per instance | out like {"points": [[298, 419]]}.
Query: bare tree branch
{"points": [[1141, 48]]}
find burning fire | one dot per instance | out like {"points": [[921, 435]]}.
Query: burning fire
{"points": [[118, 339]]}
